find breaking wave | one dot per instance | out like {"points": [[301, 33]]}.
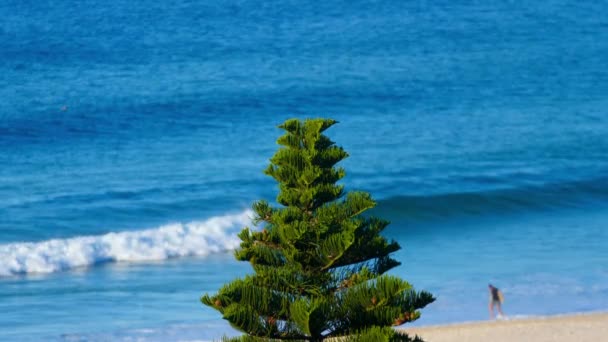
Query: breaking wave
{"points": [[199, 238]]}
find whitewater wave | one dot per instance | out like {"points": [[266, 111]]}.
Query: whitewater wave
{"points": [[200, 238]]}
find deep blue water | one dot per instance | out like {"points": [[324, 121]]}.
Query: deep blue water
{"points": [[133, 136]]}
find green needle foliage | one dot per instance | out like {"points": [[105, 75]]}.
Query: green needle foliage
{"points": [[319, 264]]}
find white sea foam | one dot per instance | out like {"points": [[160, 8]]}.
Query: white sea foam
{"points": [[199, 238]]}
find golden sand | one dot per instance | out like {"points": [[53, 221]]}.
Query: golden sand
{"points": [[571, 328]]}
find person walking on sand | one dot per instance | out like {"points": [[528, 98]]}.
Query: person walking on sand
{"points": [[496, 299]]}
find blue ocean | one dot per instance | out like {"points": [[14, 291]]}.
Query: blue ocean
{"points": [[133, 136]]}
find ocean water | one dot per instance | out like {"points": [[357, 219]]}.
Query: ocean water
{"points": [[133, 135]]}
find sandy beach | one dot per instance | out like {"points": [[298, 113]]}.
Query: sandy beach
{"points": [[579, 327]]}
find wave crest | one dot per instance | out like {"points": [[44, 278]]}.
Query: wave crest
{"points": [[575, 194], [199, 238]]}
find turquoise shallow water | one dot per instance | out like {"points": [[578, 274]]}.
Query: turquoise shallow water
{"points": [[133, 136]]}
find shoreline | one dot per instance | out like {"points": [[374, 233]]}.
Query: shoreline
{"points": [[591, 326]]}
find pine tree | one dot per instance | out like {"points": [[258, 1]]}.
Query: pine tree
{"points": [[319, 263]]}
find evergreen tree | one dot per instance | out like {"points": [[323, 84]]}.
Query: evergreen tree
{"points": [[319, 264]]}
